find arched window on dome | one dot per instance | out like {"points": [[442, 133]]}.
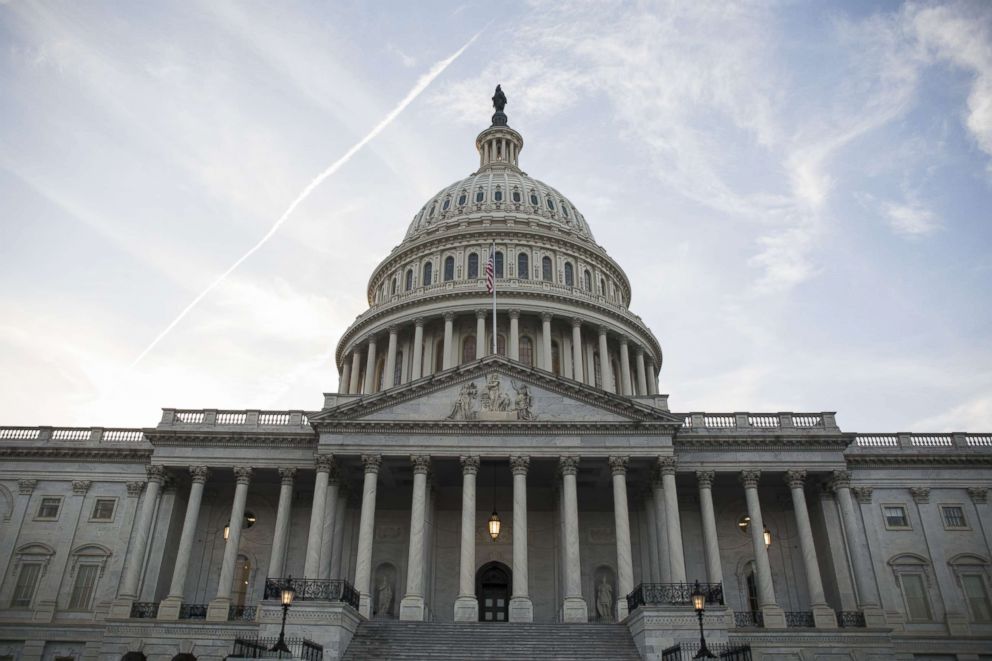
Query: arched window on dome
{"points": [[551, 204], [446, 204], [398, 369], [498, 264], [587, 280], [392, 288], [438, 356], [546, 269], [515, 196], [428, 273], [602, 286], [498, 195], [527, 351], [433, 209], [468, 349], [409, 279], [462, 199], [533, 199], [564, 209], [449, 268], [555, 358], [569, 275], [597, 372], [501, 345], [523, 266], [473, 266], [480, 195]]}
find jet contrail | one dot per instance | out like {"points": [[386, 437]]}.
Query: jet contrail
{"points": [[419, 87]]}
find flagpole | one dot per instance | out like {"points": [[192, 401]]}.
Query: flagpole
{"points": [[493, 251]]}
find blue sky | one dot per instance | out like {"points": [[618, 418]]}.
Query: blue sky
{"points": [[801, 193]]}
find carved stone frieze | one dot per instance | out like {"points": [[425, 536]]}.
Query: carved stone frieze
{"points": [[921, 495], [863, 494]]}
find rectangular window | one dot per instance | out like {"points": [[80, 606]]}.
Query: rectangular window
{"points": [[27, 580], [978, 597], [915, 593], [49, 508], [895, 517], [103, 509], [953, 516], [82, 589]]}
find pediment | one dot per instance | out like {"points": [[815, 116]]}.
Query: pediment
{"points": [[495, 390]]}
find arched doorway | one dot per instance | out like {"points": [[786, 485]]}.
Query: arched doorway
{"points": [[492, 585]]}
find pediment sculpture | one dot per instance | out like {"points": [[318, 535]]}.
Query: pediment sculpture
{"points": [[493, 403]]}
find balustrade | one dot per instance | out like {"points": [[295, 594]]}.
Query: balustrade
{"points": [[313, 589], [799, 619], [749, 619], [673, 594]]}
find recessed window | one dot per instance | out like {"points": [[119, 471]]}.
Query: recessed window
{"points": [[473, 265], [409, 279], [516, 196], [953, 516], [27, 581], [449, 268], [462, 199], [49, 508], [564, 210], [533, 198], [569, 275], [546, 269], [523, 266], [526, 351], [446, 204], [428, 273], [83, 587], [895, 517], [433, 209], [480, 195], [498, 195], [103, 509], [499, 264], [551, 204], [587, 281], [976, 592], [914, 593]]}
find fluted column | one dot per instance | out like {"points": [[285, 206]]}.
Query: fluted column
{"points": [[327, 534], [345, 380], [514, 334], [604, 362], [521, 607], [773, 615], [650, 574], [170, 606], [664, 561], [642, 380], [625, 385], [823, 616], [447, 359], [676, 557], [864, 575], [574, 606], [311, 568], [280, 536], [652, 379], [338, 537], [480, 334], [388, 380], [577, 349], [142, 530], [548, 363], [370, 368], [711, 545], [366, 528], [217, 611], [621, 517], [416, 370], [467, 605], [356, 371], [412, 605]]}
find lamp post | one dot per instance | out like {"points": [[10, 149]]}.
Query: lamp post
{"points": [[286, 597], [699, 603]]}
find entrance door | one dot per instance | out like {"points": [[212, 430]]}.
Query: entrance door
{"points": [[493, 588]]}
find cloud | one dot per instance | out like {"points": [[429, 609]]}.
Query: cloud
{"points": [[911, 220], [973, 414]]}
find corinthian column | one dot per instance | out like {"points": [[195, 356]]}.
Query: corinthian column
{"points": [[773, 615], [823, 616], [514, 334], [412, 605], [447, 358], [480, 334], [521, 608], [574, 606], [577, 349], [621, 516], [170, 606], [366, 527], [548, 362], [864, 576], [416, 369], [642, 379], [370, 368], [676, 557], [467, 605], [625, 385], [330, 513], [345, 379], [356, 371], [312, 565], [711, 545], [604, 362], [387, 378], [217, 610], [128, 590], [280, 536]]}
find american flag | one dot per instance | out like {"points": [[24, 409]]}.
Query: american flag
{"points": [[491, 270]]}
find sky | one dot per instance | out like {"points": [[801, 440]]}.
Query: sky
{"points": [[194, 194]]}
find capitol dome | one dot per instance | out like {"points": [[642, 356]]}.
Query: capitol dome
{"points": [[561, 300]]}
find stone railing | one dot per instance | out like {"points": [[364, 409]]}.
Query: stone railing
{"points": [[229, 418], [904, 440], [757, 422], [73, 434]]}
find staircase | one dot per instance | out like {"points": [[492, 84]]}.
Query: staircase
{"points": [[390, 640]]}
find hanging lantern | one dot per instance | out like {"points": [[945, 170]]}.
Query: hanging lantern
{"points": [[768, 537], [494, 525]]}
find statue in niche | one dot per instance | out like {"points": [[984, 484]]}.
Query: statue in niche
{"points": [[499, 99], [384, 597], [523, 402], [604, 599], [463, 408]]}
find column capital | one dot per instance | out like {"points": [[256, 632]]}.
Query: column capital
{"points": [[978, 495], [519, 464], [324, 463], [514, 313], [155, 473], [449, 316], [369, 339], [639, 352], [705, 479], [604, 330], [576, 322], [243, 474], [133, 489], [26, 487], [863, 494], [470, 465], [80, 487], [624, 340], [795, 478], [840, 480], [568, 464], [481, 313], [750, 478], [418, 322], [287, 475], [547, 316], [394, 329], [667, 465], [618, 464], [421, 463], [921, 495], [334, 475], [372, 462], [199, 474]]}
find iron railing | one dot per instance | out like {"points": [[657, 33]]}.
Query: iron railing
{"points": [[848, 619], [686, 651], [261, 648], [313, 589], [193, 612], [799, 619], [144, 610], [676, 594], [749, 619], [246, 613]]}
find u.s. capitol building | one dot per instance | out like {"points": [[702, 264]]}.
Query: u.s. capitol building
{"points": [[536, 501]]}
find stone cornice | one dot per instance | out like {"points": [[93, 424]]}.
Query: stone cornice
{"points": [[916, 458], [759, 441], [109, 454], [242, 439]]}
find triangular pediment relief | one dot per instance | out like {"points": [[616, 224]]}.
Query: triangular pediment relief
{"points": [[495, 390]]}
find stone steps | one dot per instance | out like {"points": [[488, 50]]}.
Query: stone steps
{"points": [[379, 640]]}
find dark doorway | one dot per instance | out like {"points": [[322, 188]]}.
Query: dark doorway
{"points": [[492, 585]]}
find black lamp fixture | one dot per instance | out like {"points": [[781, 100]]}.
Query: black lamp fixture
{"points": [[286, 597], [699, 603], [494, 522]]}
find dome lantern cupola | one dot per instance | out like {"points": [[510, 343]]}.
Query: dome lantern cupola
{"points": [[499, 146]]}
